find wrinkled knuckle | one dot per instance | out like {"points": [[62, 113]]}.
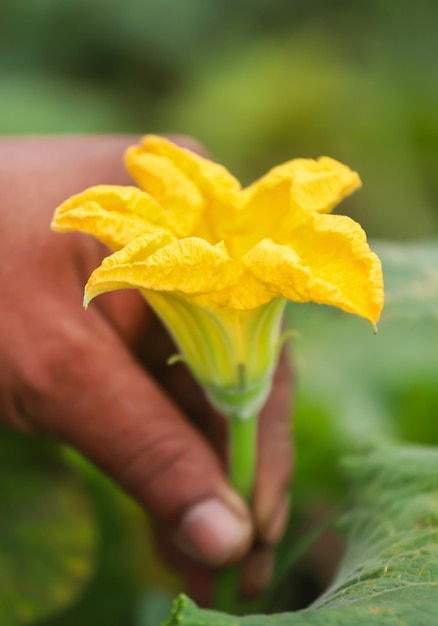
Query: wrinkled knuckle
{"points": [[156, 467]]}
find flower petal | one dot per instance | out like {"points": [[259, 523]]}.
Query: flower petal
{"points": [[171, 174], [209, 177], [246, 294], [188, 267], [320, 185], [315, 185], [277, 203], [114, 215], [266, 211], [178, 195], [328, 262]]}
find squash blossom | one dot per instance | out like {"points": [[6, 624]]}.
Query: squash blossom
{"points": [[217, 263]]}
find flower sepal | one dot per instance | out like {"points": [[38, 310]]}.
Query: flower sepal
{"points": [[241, 401], [232, 354]]}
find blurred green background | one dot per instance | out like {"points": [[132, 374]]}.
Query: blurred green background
{"points": [[258, 82]]}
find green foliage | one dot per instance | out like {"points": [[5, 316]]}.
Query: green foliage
{"points": [[73, 549], [389, 575], [111, 592], [57, 105], [411, 276], [47, 532]]}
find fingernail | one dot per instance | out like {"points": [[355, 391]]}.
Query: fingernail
{"points": [[212, 533], [278, 523], [257, 572]]}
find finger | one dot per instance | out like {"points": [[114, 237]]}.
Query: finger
{"points": [[128, 314], [257, 571], [86, 388], [275, 458]]}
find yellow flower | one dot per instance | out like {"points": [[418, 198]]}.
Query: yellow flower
{"points": [[217, 262]]}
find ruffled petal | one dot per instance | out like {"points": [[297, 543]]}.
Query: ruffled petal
{"points": [[315, 185], [328, 262], [266, 211], [209, 177], [278, 240], [172, 174], [320, 185], [178, 195], [277, 203], [188, 267], [114, 215], [246, 294]]}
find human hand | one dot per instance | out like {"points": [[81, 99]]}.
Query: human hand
{"points": [[73, 374]]}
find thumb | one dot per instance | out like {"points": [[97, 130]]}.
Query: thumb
{"points": [[86, 388]]}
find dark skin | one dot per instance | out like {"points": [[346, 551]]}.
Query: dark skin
{"points": [[74, 374]]}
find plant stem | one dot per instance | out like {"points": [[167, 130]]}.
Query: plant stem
{"points": [[242, 466], [243, 454]]}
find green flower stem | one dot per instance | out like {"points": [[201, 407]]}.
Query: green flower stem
{"points": [[242, 466], [243, 455]]}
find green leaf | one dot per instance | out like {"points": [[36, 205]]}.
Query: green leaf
{"points": [[153, 606], [123, 557], [47, 531], [389, 575]]}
